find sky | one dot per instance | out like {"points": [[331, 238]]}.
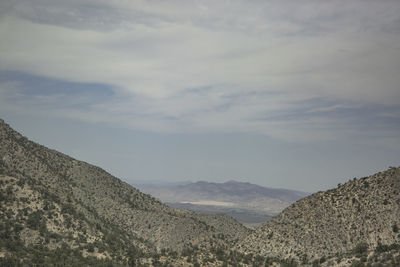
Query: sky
{"points": [[292, 94]]}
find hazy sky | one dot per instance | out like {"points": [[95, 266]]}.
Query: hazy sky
{"points": [[294, 94]]}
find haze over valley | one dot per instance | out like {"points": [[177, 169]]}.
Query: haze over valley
{"points": [[248, 203]]}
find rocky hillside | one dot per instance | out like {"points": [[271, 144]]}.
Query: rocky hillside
{"points": [[363, 214], [50, 202]]}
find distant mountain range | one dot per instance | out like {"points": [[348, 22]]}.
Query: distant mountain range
{"points": [[248, 203]]}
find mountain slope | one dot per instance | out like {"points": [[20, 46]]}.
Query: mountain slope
{"points": [[362, 212], [91, 208]]}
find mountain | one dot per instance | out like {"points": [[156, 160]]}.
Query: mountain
{"points": [[53, 206], [58, 211], [361, 215], [248, 203]]}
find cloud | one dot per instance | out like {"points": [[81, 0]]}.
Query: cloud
{"points": [[284, 69]]}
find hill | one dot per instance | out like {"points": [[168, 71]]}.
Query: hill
{"points": [[53, 206], [362, 215]]}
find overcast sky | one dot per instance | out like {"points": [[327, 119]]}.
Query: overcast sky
{"points": [[294, 94]]}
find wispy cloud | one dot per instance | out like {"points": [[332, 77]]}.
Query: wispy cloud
{"points": [[290, 70]]}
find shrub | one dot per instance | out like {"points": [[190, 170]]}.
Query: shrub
{"points": [[35, 220], [360, 249], [315, 263], [90, 247]]}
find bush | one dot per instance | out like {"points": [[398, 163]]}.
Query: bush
{"points": [[35, 220], [289, 263], [384, 248], [90, 247], [9, 261], [357, 264], [360, 249], [220, 253]]}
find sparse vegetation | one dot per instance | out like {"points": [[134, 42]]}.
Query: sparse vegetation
{"points": [[336, 223], [55, 210], [51, 201]]}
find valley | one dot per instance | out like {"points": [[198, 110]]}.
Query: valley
{"points": [[248, 203], [56, 209]]}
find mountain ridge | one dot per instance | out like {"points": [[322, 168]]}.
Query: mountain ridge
{"points": [[363, 211], [95, 201]]}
